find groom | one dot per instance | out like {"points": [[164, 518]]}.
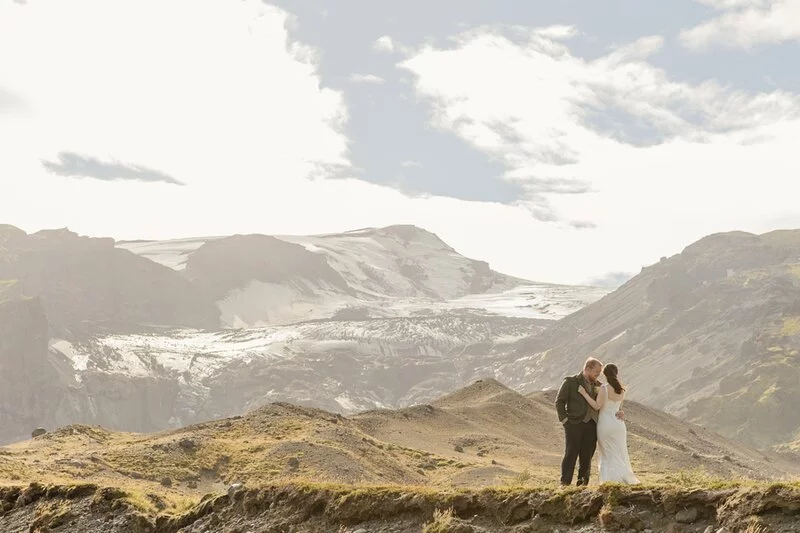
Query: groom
{"points": [[579, 421]]}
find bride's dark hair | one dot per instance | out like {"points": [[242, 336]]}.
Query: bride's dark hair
{"points": [[610, 372]]}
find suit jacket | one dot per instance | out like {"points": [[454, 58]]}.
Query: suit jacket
{"points": [[570, 404]]}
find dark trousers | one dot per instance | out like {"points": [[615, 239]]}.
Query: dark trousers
{"points": [[581, 442]]}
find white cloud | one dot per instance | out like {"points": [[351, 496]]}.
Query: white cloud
{"points": [[745, 24], [719, 159], [192, 97], [557, 32], [384, 44], [728, 4], [409, 164], [169, 103], [366, 78], [10, 103], [218, 98]]}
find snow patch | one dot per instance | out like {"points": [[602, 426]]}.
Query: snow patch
{"points": [[79, 360], [171, 253], [346, 403]]}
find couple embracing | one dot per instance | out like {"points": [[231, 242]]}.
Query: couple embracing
{"points": [[592, 419]]}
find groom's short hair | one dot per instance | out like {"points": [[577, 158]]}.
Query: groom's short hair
{"points": [[591, 363]]}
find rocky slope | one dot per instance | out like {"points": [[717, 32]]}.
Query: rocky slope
{"points": [[711, 334]]}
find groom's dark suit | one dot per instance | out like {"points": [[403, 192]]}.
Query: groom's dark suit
{"points": [[580, 427]]}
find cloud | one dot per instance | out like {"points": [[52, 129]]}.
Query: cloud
{"points": [[10, 101], [557, 32], [582, 224], [78, 166], [411, 164], [366, 78], [745, 24], [545, 112], [643, 162], [384, 44], [249, 126], [728, 4], [213, 119]]}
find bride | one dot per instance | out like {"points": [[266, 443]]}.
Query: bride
{"points": [[612, 435]]}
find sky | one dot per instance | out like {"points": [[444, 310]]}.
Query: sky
{"points": [[570, 142]]}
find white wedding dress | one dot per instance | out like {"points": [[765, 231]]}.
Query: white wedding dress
{"points": [[612, 444]]}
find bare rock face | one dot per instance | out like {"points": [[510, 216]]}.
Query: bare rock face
{"points": [[31, 393]]}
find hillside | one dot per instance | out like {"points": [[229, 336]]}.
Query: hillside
{"points": [[711, 334], [484, 435], [479, 436], [490, 420]]}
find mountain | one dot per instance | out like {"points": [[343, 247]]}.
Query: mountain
{"points": [[130, 336], [482, 436], [390, 317], [376, 272], [711, 334]]}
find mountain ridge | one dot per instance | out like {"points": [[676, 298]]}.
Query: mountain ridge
{"points": [[707, 333], [259, 280]]}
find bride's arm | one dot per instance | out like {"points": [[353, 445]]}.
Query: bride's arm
{"points": [[601, 398]]}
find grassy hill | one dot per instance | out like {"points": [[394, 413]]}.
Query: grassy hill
{"points": [[485, 443]]}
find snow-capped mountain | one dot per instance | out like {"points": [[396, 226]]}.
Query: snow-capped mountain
{"points": [[127, 334], [261, 280]]}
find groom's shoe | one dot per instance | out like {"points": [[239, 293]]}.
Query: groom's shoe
{"points": [[582, 482]]}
